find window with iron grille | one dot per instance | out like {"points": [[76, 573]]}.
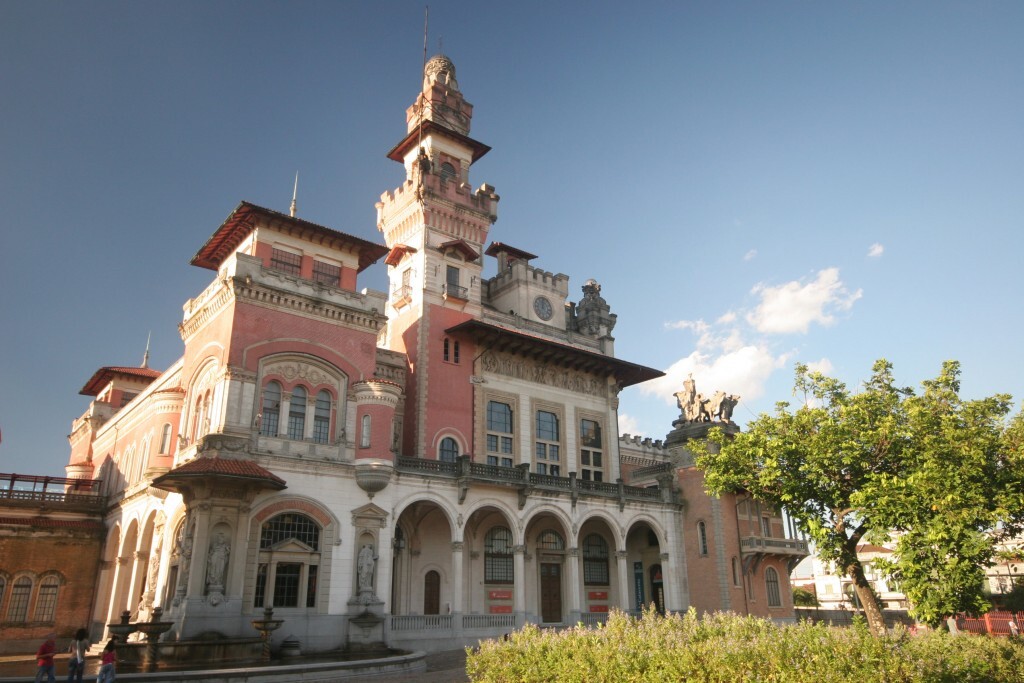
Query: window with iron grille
{"points": [[326, 274], [17, 611], [271, 409], [702, 537], [550, 540], [771, 586], [498, 567], [46, 598], [595, 561], [297, 414], [322, 417], [261, 585], [286, 261], [286, 584], [290, 525]]}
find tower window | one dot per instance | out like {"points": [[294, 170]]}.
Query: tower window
{"points": [[364, 437], [286, 261], [447, 172], [165, 440], [327, 274]]}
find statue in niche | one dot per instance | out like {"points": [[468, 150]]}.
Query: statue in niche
{"points": [[365, 564], [217, 562]]}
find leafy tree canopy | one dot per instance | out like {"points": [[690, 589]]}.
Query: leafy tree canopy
{"points": [[940, 475]]}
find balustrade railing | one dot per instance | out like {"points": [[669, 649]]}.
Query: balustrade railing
{"points": [[430, 466], [421, 622], [488, 621]]}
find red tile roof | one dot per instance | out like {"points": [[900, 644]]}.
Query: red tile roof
{"points": [[497, 248], [221, 467], [103, 376], [237, 226]]}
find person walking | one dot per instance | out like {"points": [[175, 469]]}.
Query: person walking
{"points": [[76, 665], [44, 658], [108, 664]]}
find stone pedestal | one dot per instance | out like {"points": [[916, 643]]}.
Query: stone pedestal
{"points": [[366, 628]]}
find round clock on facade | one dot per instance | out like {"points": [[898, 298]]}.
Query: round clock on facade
{"points": [[542, 307]]}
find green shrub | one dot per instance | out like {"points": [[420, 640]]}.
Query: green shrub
{"points": [[727, 648]]}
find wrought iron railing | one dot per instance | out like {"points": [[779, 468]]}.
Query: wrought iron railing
{"points": [[455, 292]]}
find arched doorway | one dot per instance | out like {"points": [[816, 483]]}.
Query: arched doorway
{"points": [[432, 593]]}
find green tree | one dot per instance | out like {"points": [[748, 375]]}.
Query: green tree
{"points": [[804, 598], [937, 473]]}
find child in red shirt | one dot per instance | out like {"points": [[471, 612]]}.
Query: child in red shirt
{"points": [[44, 658], [109, 664]]}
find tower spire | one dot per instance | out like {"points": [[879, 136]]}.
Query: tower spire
{"points": [[145, 356], [295, 195]]}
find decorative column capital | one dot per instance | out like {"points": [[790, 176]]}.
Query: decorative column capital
{"points": [[457, 546], [519, 549]]}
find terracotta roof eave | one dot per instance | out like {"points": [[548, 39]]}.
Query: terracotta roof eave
{"points": [[497, 247], [241, 222], [102, 377], [399, 151], [625, 372]]}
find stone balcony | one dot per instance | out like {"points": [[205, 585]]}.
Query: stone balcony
{"points": [[757, 547], [51, 493], [468, 474]]}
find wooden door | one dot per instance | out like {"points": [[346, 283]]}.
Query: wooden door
{"points": [[432, 593], [550, 593]]}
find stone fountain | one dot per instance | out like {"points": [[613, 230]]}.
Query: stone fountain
{"points": [[153, 629], [267, 625]]}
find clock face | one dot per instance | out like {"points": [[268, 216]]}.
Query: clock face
{"points": [[542, 307]]}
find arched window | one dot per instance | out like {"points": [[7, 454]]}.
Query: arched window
{"points": [[364, 436], [702, 537], [165, 440], [17, 611], [595, 561], [550, 540], [447, 172], [271, 409], [771, 587], [297, 414], [3, 593], [289, 561], [498, 566], [46, 598], [322, 417], [449, 450]]}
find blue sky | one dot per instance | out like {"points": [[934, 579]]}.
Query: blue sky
{"points": [[753, 184]]}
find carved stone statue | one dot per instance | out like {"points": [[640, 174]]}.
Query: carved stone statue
{"points": [[365, 564], [217, 562], [694, 407]]}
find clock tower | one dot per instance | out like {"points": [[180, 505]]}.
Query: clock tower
{"points": [[435, 225]]}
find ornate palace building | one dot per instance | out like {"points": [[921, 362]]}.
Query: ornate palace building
{"points": [[422, 467]]}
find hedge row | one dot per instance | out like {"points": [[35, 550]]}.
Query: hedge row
{"points": [[728, 648]]}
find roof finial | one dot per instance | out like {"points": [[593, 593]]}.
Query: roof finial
{"points": [[145, 356], [295, 195]]}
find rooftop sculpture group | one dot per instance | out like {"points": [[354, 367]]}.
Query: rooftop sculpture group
{"points": [[695, 407]]}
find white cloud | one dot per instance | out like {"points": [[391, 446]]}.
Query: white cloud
{"points": [[742, 371], [628, 424], [749, 256], [727, 318], [875, 250], [698, 326], [824, 366], [792, 307]]}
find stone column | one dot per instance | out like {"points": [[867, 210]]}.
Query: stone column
{"points": [[117, 592], [140, 562], [519, 565], [624, 579], [282, 414], [196, 586], [572, 565], [672, 602], [307, 430], [457, 586]]}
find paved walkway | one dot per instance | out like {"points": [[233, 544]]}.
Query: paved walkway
{"points": [[442, 667]]}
